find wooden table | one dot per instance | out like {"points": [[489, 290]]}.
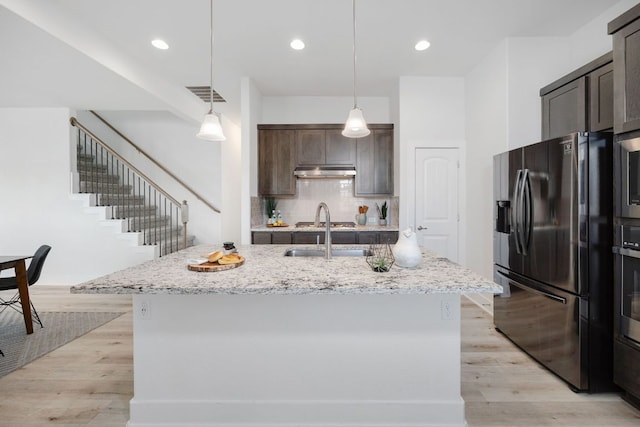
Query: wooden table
{"points": [[18, 264]]}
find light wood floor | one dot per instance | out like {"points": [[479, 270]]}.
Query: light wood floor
{"points": [[89, 381]]}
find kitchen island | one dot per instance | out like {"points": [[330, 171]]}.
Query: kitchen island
{"points": [[294, 341]]}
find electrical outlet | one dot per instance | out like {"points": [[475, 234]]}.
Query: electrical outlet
{"points": [[144, 310], [446, 310]]}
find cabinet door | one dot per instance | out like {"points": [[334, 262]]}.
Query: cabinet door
{"points": [[281, 238], [343, 237], [276, 162], [311, 146], [374, 163], [626, 78], [340, 150], [307, 238], [261, 238], [390, 237], [383, 148], [564, 110], [601, 98], [368, 237]]}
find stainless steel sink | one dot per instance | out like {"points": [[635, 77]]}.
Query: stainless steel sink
{"points": [[320, 252]]}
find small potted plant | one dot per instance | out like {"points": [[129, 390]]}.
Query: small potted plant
{"points": [[380, 265], [380, 258], [383, 214], [270, 205]]}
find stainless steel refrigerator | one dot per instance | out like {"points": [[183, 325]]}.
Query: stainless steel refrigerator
{"points": [[552, 255]]}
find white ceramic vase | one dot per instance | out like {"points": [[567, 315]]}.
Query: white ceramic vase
{"points": [[406, 251]]}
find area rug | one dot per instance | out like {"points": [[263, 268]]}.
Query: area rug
{"points": [[59, 329]]}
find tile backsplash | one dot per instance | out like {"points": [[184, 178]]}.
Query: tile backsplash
{"points": [[338, 194]]}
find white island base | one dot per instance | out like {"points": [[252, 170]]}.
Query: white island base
{"points": [[297, 360]]}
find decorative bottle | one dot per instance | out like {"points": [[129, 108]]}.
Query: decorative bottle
{"points": [[406, 251]]}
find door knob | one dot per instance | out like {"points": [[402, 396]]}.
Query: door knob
{"points": [[420, 228]]}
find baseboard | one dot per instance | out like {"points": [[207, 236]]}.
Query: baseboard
{"points": [[299, 413]]}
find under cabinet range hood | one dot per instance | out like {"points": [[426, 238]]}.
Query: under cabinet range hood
{"points": [[325, 171]]}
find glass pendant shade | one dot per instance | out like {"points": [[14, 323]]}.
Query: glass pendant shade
{"points": [[356, 126], [211, 130]]}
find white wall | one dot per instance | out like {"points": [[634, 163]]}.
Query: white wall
{"points": [[251, 116], [322, 109], [36, 207], [592, 40], [532, 63], [230, 179], [431, 114], [487, 127]]}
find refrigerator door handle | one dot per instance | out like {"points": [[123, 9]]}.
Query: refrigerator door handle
{"points": [[534, 290], [517, 209], [527, 214]]}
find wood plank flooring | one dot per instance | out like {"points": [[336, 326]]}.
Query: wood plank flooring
{"points": [[89, 381]]}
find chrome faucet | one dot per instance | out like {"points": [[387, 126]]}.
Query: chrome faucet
{"points": [[327, 233]]}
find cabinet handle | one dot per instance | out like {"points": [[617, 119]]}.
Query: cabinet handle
{"points": [[420, 228]]}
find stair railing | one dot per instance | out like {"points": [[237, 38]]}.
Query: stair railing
{"points": [[129, 193], [164, 169]]}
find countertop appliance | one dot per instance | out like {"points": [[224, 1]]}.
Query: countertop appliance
{"points": [[552, 255]]}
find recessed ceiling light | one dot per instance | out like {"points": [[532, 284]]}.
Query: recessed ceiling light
{"points": [[422, 45], [297, 44], [160, 44]]}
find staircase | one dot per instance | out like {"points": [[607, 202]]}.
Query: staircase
{"points": [[130, 198]]}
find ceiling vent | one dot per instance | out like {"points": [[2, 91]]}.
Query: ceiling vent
{"points": [[203, 92]]}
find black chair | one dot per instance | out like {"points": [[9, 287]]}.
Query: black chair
{"points": [[33, 274]]}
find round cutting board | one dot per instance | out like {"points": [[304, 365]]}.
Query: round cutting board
{"points": [[214, 266]]}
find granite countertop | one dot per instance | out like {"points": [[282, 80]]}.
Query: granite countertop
{"points": [[290, 228], [267, 271]]}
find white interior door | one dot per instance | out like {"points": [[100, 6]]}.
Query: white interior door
{"points": [[436, 204]]}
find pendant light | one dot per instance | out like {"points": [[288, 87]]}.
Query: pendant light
{"points": [[211, 129], [356, 126]]}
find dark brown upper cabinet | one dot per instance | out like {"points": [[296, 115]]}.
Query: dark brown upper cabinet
{"points": [[311, 146], [374, 163], [601, 102], [626, 74], [580, 101], [340, 149], [564, 110], [276, 162], [283, 147], [324, 147]]}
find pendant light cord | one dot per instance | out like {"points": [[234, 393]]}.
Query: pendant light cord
{"points": [[211, 59], [355, 101]]}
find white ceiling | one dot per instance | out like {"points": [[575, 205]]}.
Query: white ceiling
{"points": [[252, 39]]}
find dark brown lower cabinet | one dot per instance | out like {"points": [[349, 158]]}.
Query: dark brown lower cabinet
{"points": [[367, 237], [626, 366], [377, 237], [344, 238], [313, 237], [390, 237], [281, 238], [261, 237], [308, 238]]}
